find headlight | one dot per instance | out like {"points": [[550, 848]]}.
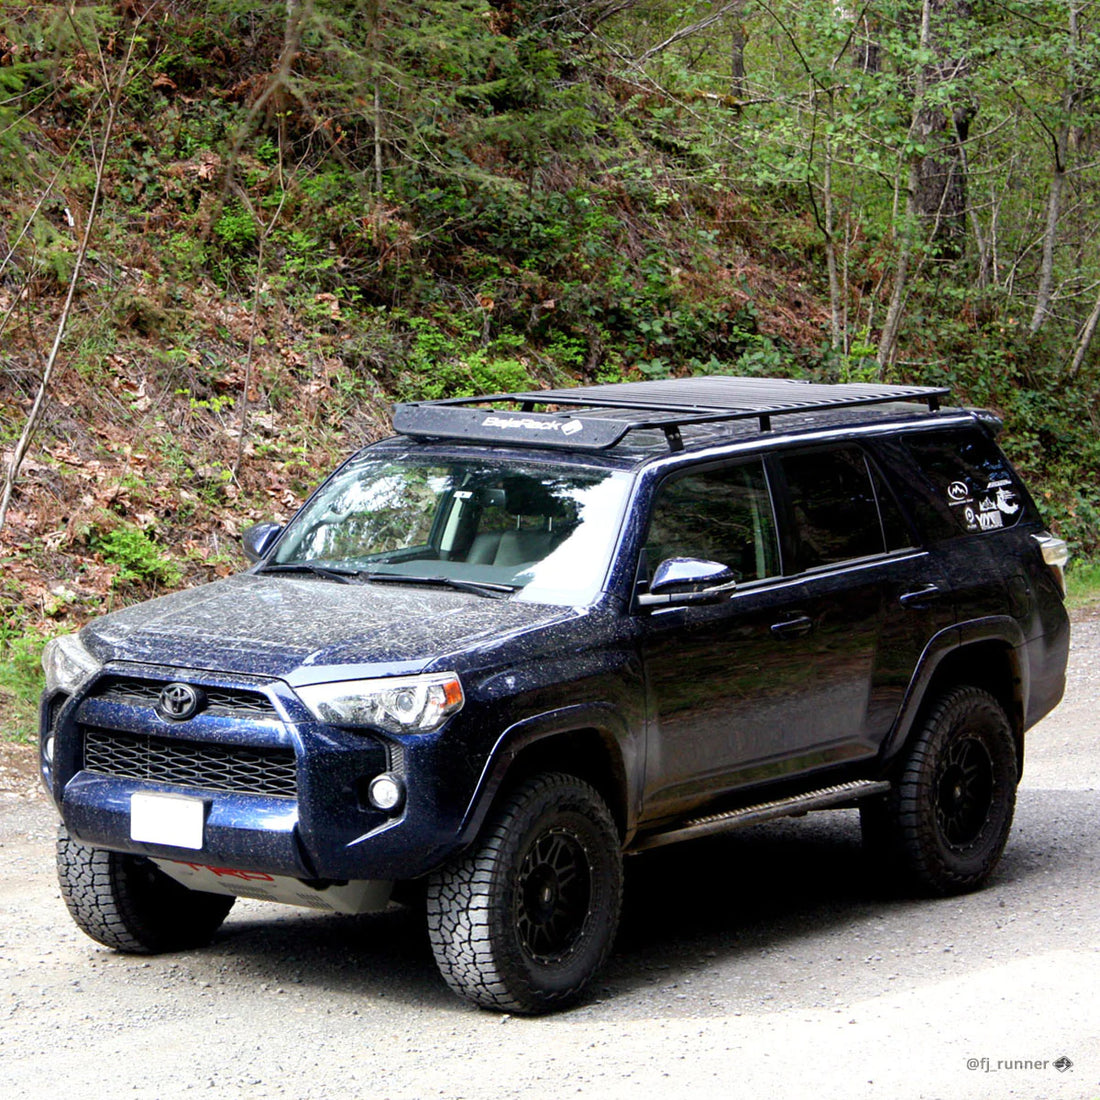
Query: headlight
{"points": [[67, 664], [417, 704]]}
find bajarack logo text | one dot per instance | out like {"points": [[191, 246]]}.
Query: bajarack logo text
{"points": [[566, 427]]}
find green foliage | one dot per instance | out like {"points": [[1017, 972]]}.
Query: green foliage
{"points": [[13, 124], [306, 258], [20, 687], [20, 677], [53, 252], [186, 254], [478, 195], [236, 228], [21, 669], [217, 403], [1083, 582], [440, 364], [140, 560]]}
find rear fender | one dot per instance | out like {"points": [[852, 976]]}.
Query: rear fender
{"points": [[949, 647]]}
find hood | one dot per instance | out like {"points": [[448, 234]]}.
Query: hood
{"points": [[303, 628]]}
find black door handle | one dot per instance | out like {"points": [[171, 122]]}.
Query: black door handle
{"points": [[793, 628]]}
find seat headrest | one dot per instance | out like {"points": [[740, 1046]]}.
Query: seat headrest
{"points": [[526, 497]]}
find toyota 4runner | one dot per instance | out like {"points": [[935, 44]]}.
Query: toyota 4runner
{"points": [[533, 633]]}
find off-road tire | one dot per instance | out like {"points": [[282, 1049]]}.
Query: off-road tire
{"points": [[523, 920], [128, 903], [945, 824]]}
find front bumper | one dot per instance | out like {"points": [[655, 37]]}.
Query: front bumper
{"points": [[109, 742]]}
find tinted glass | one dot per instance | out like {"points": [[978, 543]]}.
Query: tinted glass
{"points": [[894, 528], [970, 478], [717, 515], [833, 504], [546, 529]]}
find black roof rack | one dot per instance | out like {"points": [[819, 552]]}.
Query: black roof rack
{"points": [[667, 405]]}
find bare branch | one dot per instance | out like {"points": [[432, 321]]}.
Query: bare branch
{"points": [[687, 32], [1084, 341], [114, 97]]}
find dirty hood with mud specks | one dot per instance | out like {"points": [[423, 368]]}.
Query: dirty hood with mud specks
{"points": [[308, 629]]}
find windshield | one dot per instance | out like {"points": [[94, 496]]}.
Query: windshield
{"points": [[545, 530]]}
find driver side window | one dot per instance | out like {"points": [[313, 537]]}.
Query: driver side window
{"points": [[722, 515]]}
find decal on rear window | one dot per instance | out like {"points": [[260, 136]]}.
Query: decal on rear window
{"points": [[972, 478]]}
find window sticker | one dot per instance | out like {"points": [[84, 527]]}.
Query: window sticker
{"points": [[972, 481], [986, 510]]}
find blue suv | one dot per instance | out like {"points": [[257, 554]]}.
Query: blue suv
{"points": [[534, 633]]}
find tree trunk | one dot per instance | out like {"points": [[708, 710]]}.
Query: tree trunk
{"points": [[1084, 341], [837, 336], [738, 39], [867, 51], [377, 144], [941, 192], [1059, 139], [936, 195], [892, 324], [1054, 209], [985, 250]]}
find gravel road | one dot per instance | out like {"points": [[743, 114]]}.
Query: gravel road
{"points": [[759, 965]]}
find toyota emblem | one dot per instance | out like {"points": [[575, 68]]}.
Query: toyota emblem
{"points": [[178, 702]]}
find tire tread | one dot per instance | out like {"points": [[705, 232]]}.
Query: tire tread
{"points": [[460, 903], [913, 843], [98, 889]]}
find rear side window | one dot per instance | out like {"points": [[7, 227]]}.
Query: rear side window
{"points": [[971, 481], [834, 506]]}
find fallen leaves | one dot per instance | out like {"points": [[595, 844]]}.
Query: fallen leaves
{"points": [[133, 390], [148, 443]]}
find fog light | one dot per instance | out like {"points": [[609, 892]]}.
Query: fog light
{"points": [[47, 752], [386, 792]]}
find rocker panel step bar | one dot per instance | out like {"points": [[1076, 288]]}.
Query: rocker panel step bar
{"points": [[763, 811]]}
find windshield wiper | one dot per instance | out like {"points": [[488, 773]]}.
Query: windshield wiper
{"points": [[341, 576], [351, 576], [480, 588]]}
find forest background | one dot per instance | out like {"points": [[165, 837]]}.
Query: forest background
{"points": [[232, 233]]}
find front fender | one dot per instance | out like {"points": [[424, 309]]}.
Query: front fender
{"points": [[622, 742]]}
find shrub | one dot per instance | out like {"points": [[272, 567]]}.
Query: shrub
{"points": [[141, 561]]}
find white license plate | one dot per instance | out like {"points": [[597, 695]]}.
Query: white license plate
{"points": [[167, 819]]}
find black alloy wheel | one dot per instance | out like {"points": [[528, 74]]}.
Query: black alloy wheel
{"points": [[964, 789], [554, 891], [523, 920], [945, 824]]}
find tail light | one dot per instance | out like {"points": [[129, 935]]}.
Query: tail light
{"points": [[1055, 553]]}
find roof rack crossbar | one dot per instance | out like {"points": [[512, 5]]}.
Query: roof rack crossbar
{"points": [[684, 402]]}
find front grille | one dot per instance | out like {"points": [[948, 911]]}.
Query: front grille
{"points": [[265, 771], [232, 702]]}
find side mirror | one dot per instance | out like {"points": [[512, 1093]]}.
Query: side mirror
{"points": [[688, 580], [259, 538]]}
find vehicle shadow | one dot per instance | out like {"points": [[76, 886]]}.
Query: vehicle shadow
{"points": [[745, 893], [721, 918], [378, 955], [798, 904], [720, 896]]}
